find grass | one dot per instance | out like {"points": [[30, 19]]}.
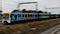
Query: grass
{"points": [[29, 27]]}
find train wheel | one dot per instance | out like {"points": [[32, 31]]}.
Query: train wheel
{"points": [[5, 23]]}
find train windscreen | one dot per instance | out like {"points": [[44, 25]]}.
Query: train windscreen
{"points": [[5, 16]]}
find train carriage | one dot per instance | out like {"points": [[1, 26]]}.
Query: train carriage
{"points": [[18, 16]]}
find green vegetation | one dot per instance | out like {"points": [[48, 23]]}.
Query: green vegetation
{"points": [[45, 16]]}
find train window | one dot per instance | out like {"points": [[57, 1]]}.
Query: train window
{"points": [[22, 15], [19, 15], [30, 15], [33, 15], [39, 15], [36, 15], [25, 15], [6, 15], [15, 16]]}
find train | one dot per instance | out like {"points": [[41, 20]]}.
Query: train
{"points": [[17, 15]]}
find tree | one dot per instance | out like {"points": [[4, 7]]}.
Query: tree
{"points": [[45, 12], [15, 11], [40, 11], [24, 10]]}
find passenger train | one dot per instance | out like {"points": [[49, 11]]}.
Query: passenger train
{"points": [[16, 15]]}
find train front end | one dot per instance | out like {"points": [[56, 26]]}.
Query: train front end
{"points": [[6, 18]]}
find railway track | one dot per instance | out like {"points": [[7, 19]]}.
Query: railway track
{"points": [[58, 32], [25, 22], [54, 30]]}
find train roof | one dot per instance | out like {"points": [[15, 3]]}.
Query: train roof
{"points": [[6, 12], [24, 13]]}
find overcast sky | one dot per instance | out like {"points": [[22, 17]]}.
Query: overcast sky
{"points": [[9, 5], [0, 4]]}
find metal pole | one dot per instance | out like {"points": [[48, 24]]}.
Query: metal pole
{"points": [[18, 6], [28, 3], [36, 7]]}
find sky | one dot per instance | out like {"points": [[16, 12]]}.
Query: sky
{"points": [[0, 4], [9, 5]]}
